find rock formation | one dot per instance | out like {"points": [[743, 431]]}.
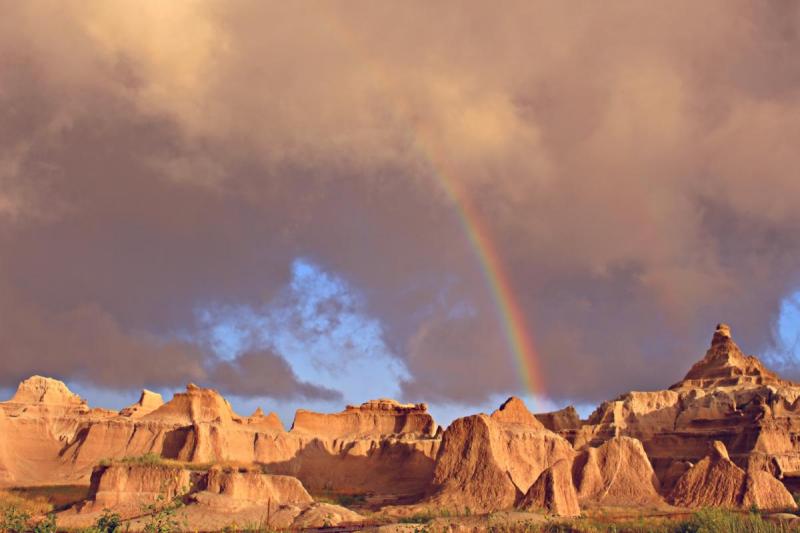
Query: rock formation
{"points": [[726, 396], [564, 420], [126, 487], [553, 491], [148, 402], [513, 411], [41, 390], [716, 481], [728, 435], [376, 417], [381, 446], [487, 463], [616, 473], [215, 498]]}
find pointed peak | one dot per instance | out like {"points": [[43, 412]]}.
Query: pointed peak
{"points": [[721, 334], [514, 411], [266, 420], [717, 450], [148, 402], [724, 365]]}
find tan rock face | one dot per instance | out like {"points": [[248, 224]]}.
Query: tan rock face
{"points": [[553, 491], [726, 396], [376, 418], [196, 405], [256, 488], [41, 390], [131, 486], [488, 463], [266, 422], [566, 419], [725, 365], [632, 450], [717, 482], [148, 402], [380, 447], [216, 498], [616, 473], [514, 411]]}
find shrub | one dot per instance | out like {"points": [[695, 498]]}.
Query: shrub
{"points": [[163, 515], [14, 519], [109, 522], [46, 524]]}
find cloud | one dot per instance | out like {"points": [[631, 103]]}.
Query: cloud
{"points": [[634, 166], [264, 374]]}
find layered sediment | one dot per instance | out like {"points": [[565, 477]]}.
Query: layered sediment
{"points": [[727, 435]]}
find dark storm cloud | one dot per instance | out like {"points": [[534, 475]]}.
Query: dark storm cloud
{"points": [[263, 373], [636, 166]]}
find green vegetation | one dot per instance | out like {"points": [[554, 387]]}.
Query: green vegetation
{"points": [[163, 514], [109, 522], [148, 459], [14, 519], [45, 525], [417, 518], [345, 500], [41, 500], [703, 521]]}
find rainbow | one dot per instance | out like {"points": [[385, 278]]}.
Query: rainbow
{"points": [[509, 312]]}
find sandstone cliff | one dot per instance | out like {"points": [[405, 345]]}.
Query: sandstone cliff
{"points": [[214, 499], [638, 449], [488, 463], [726, 396]]}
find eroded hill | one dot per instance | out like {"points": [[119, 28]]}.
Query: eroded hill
{"points": [[727, 435]]}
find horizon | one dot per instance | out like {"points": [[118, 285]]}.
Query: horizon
{"points": [[443, 415]]}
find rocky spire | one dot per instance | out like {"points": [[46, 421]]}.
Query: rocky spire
{"points": [[725, 365]]}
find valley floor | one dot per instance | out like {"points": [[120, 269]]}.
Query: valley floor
{"points": [[31, 505]]}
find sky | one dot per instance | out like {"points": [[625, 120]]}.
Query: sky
{"points": [[269, 198]]}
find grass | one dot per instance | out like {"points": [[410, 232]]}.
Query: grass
{"points": [[155, 460], [344, 499], [417, 518], [702, 521], [33, 505], [58, 497], [148, 459]]}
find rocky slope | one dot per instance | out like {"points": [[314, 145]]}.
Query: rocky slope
{"points": [[726, 396], [728, 434]]}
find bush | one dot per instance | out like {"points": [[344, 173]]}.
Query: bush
{"points": [[163, 515], [46, 525], [109, 522], [14, 519]]}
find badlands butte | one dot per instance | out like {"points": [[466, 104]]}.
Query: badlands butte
{"points": [[727, 435]]}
